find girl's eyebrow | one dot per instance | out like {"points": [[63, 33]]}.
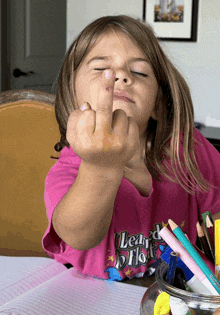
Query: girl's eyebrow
{"points": [[96, 58]]}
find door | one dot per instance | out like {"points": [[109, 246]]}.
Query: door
{"points": [[38, 43]]}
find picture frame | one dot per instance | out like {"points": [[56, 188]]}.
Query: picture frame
{"points": [[172, 20]]}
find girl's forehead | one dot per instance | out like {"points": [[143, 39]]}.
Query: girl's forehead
{"points": [[113, 35], [115, 38]]}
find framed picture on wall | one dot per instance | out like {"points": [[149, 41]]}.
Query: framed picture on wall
{"points": [[172, 19]]}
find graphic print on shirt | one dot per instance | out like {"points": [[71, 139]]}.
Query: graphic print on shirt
{"points": [[134, 251]]}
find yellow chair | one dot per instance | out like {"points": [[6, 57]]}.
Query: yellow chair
{"points": [[28, 133]]}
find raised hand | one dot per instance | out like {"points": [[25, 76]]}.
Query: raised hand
{"points": [[103, 137]]}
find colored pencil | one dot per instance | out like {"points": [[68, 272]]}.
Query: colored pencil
{"points": [[176, 246], [172, 267], [204, 242], [195, 255], [217, 249], [210, 228], [204, 217]]}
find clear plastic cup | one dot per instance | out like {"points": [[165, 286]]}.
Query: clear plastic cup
{"points": [[197, 303]]}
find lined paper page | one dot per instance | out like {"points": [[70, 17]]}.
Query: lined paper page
{"points": [[20, 274], [72, 293]]}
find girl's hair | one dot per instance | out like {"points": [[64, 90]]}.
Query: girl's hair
{"points": [[167, 151]]}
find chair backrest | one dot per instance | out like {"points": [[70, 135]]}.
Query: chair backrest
{"points": [[28, 133]]}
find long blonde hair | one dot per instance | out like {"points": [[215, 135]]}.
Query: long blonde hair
{"points": [[174, 108]]}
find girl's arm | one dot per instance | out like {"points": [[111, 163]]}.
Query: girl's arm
{"points": [[105, 142]]}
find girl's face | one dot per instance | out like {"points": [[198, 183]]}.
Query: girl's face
{"points": [[134, 76]]}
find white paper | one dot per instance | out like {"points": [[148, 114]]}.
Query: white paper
{"points": [[20, 274], [73, 293]]}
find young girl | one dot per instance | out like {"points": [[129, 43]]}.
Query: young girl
{"points": [[131, 158]]}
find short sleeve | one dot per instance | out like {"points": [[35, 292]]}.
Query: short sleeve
{"points": [[208, 159], [58, 181]]}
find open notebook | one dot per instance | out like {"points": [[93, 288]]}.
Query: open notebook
{"points": [[42, 286]]}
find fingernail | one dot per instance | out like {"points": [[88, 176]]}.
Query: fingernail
{"points": [[109, 74], [85, 106]]}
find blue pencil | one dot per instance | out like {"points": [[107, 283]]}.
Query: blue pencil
{"points": [[193, 253], [172, 267]]}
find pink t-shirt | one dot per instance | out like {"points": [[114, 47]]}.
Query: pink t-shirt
{"points": [[132, 242]]}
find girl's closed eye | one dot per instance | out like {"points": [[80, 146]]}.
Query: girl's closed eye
{"points": [[140, 73], [135, 72]]}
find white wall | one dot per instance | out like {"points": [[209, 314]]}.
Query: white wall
{"points": [[199, 62], [80, 13]]}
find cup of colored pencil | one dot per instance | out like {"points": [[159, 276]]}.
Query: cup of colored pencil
{"points": [[184, 283]]}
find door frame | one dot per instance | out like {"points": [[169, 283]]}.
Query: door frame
{"points": [[5, 45]]}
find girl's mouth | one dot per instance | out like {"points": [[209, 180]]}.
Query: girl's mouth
{"points": [[122, 98]]}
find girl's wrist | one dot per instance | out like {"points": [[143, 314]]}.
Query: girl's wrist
{"points": [[102, 171]]}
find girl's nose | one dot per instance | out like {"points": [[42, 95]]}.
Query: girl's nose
{"points": [[123, 77]]}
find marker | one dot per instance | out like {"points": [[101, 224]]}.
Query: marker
{"points": [[180, 280], [178, 306], [192, 281], [217, 249], [194, 254], [151, 269], [162, 305], [172, 268], [204, 243], [172, 241]]}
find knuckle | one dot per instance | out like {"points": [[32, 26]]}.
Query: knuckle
{"points": [[102, 110], [73, 117], [74, 114], [85, 144], [119, 143], [103, 144], [86, 119], [108, 143], [88, 116]]}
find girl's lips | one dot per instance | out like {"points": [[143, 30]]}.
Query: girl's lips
{"points": [[122, 98]]}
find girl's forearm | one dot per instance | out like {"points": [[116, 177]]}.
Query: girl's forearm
{"points": [[83, 216]]}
